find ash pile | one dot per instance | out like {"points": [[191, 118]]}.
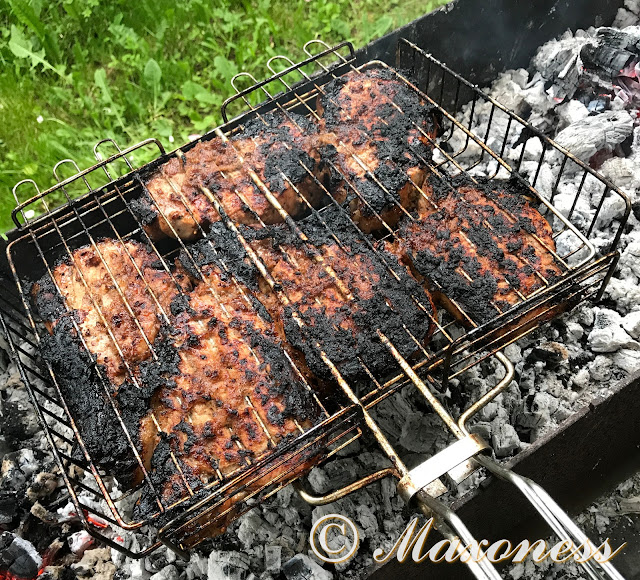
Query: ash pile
{"points": [[583, 90]]}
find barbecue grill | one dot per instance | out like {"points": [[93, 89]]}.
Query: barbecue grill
{"points": [[458, 343]]}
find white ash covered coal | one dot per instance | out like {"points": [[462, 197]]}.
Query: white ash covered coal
{"points": [[581, 89]]}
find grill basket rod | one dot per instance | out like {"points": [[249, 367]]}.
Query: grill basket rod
{"points": [[554, 515]]}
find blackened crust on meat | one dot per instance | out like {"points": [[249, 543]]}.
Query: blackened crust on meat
{"points": [[345, 347], [165, 478], [474, 296], [158, 373], [144, 209], [181, 304], [512, 193], [297, 400], [481, 243], [292, 161], [223, 249], [272, 123], [292, 164], [47, 300], [133, 404], [381, 187], [225, 392], [337, 106], [313, 227], [345, 330], [84, 393], [376, 141], [277, 151]]}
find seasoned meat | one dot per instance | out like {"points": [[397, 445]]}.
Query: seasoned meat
{"points": [[117, 293], [374, 136], [91, 300], [225, 395], [343, 292], [373, 140], [483, 245], [218, 393], [277, 150]]}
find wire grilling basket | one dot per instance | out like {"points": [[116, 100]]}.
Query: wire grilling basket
{"points": [[476, 135]]}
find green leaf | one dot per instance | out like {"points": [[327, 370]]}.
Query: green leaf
{"points": [[383, 25], [28, 16], [191, 90], [100, 79], [224, 67], [152, 75], [22, 47]]}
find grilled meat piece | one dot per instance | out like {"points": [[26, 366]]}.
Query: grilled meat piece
{"points": [[102, 287], [117, 293], [374, 136], [277, 150], [219, 385], [483, 245], [225, 396], [343, 292]]}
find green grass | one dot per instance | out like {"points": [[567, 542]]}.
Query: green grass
{"points": [[75, 71]]}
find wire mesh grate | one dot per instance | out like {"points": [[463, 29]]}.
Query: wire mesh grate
{"points": [[457, 343]]}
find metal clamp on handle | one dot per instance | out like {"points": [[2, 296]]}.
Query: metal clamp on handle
{"points": [[455, 459]]}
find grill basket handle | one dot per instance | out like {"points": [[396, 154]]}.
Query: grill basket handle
{"points": [[557, 519]]}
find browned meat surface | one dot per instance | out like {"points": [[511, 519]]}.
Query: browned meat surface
{"points": [[278, 151], [373, 134], [225, 393], [373, 139], [96, 285], [117, 294], [218, 386], [343, 293], [482, 245]]}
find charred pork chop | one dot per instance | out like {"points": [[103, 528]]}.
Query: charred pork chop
{"points": [[273, 152], [482, 245], [343, 293], [117, 294], [104, 307], [225, 394], [375, 135]]}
